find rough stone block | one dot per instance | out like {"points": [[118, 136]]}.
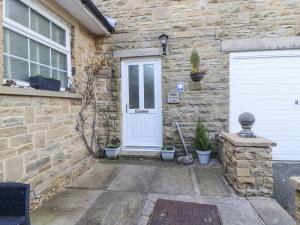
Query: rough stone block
{"points": [[12, 131], [29, 115], [37, 165], [243, 172], [14, 168], [3, 144], [11, 111], [58, 132], [12, 122], [20, 140], [40, 139]]}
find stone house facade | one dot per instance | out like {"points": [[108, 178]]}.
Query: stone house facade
{"points": [[221, 31], [38, 136]]}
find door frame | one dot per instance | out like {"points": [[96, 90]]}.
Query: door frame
{"points": [[158, 97]]}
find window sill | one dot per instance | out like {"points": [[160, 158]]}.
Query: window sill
{"points": [[39, 93]]}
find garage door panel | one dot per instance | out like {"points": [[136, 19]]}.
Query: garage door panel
{"points": [[263, 115], [269, 104], [268, 87]]}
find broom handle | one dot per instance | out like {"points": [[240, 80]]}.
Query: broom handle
{"points": [[181, 137]]}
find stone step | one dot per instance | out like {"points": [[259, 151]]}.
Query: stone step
{"points": [[270, 211], [139, 154]]}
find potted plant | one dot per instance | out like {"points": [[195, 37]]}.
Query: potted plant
{"points": [[44, 83], [167, 153], [112, 149], [202, 143], [196, 74]]}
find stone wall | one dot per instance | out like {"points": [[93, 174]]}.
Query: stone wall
{"points": [[247, 164], [39, 143], [202, 25], [296, 183]]}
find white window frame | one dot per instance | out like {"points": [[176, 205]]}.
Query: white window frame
{"points": [[27, 32]]}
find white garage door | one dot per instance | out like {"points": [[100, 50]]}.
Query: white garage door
{"points": [[267, 84]]}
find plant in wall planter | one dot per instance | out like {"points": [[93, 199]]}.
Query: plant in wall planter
{"points": [[112, 149], [196, 74], [202, 143], [44, 83], [167, 153]]}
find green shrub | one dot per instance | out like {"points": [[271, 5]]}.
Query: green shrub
{"points": [[202, 141], [195, 61]]}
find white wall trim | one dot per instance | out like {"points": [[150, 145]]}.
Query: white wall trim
{"points": [[138, 52], [260, 44]]}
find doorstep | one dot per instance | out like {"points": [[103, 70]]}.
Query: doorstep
{"points": [[137, 153]]}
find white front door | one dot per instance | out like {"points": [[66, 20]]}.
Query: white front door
{"points": [[141, 99]]}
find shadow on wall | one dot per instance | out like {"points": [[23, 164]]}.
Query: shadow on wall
{"points": [[284, 192]]}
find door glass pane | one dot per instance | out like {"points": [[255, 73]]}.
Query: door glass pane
{"points": [[133, 73], [149, 86], [18, 12], [39, 24]]}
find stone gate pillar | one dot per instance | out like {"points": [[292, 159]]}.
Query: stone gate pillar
{"points": [[247, 162]]}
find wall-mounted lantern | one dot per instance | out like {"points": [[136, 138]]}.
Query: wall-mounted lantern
{"points": [[164, 41]]}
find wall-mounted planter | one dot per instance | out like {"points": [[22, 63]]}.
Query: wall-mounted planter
{"points": [[44, 83], [197, 76], [112, 153]]}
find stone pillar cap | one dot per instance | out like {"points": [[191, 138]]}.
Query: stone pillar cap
{"points": [[258, 141], [295, 181]]}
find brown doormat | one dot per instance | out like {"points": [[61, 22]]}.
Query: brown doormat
{"points": [[184, 213]]}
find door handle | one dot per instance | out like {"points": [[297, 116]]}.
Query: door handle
{"points": [[141, 111], [297, 102], [126, 108]]}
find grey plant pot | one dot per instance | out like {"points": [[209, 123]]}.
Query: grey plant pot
{"points": [[203, 156], [167, 155], [112, 153]]}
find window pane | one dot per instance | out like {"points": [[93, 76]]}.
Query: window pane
{"points": [[16, 69], [39, 53], [133, 86], [15, 44], [58, 35], [39, 24], [39, 70], [62, 76], [59, 60], [149, 86], [18, 12]]}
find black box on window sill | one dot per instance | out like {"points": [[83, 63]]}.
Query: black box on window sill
{"points": [[44, 83]]}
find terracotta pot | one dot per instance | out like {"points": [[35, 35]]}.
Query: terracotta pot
{"points": [[197, 76]]}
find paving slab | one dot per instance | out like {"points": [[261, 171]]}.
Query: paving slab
{"points": [[271, 212], [98, 177], [115, 208], [65, 208], [133, 178], [211, 182], [172, 180]]}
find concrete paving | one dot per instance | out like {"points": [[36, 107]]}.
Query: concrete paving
{"points": [[214, 184], [268, 208], [124, 192]]}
